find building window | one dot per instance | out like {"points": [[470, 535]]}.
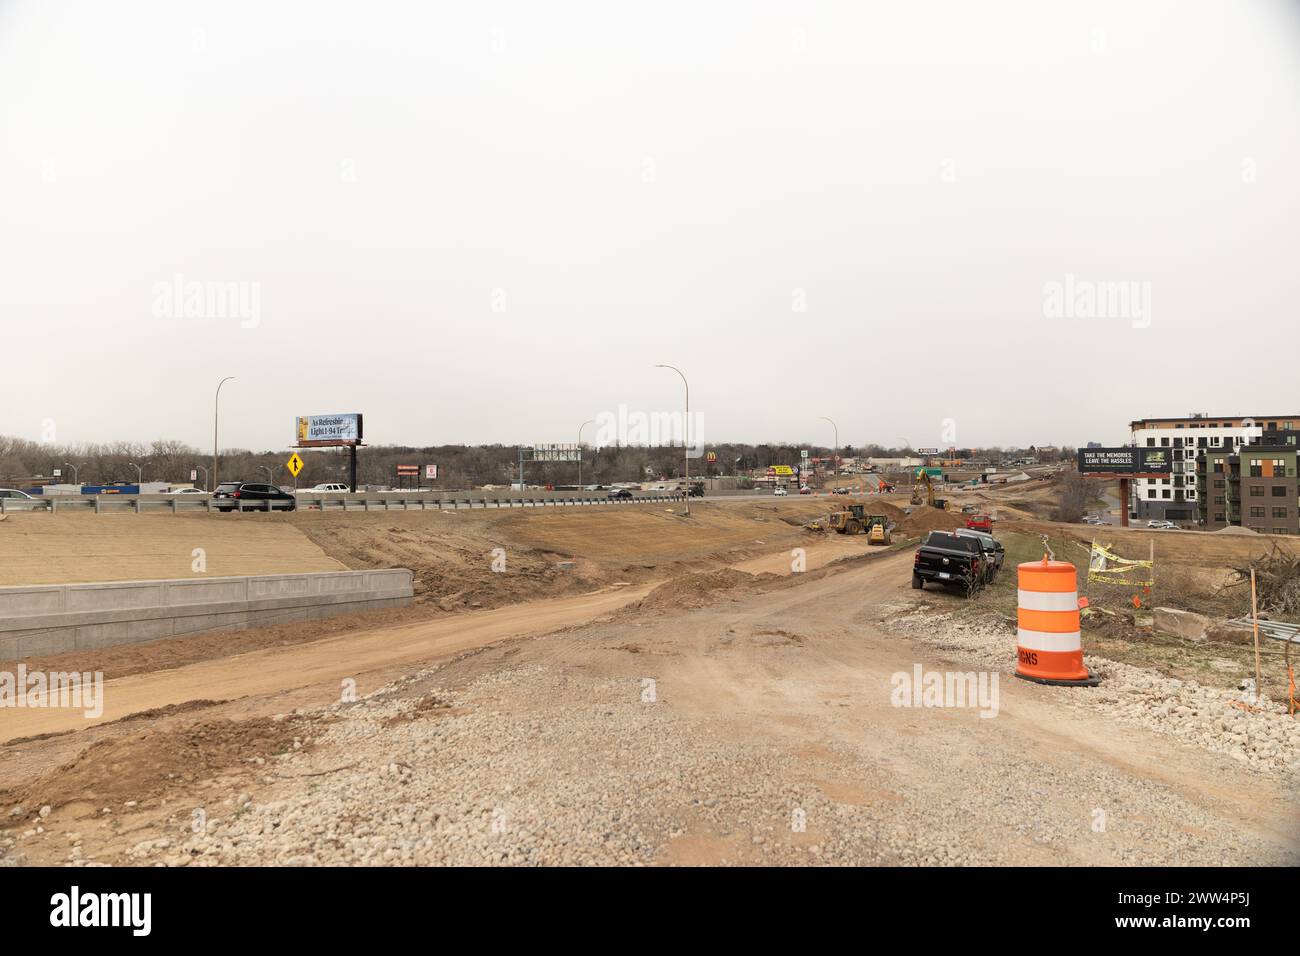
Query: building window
{"points": [[1151, 493], [1165, 493], [1218, 499], [1218, 516], [1151, 442], [1257, 512], [1257, 491], [1279, 491], [1219, 483], [1279, 513]]}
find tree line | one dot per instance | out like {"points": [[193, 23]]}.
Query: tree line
{"points": [[24, 462]]}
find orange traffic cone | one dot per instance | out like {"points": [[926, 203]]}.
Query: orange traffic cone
{"points": [[1049, 649]]}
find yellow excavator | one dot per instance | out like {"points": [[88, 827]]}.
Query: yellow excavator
{"points": [[855, 520], [923, 480]]}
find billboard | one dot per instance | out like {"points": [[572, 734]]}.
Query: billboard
{"points": [[557, 452], [1125, 460], [317, 431], [780, 471]]}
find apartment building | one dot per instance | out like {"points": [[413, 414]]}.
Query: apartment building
{"points": [[1254, 488], [1178, 497]]}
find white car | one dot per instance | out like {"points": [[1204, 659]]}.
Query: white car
{"points": [[780, 492], [17, 500], [316, 489], [1161, 525], [188, 491]]}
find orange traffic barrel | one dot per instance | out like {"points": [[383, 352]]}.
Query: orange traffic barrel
{"points": [[1049, 649]]}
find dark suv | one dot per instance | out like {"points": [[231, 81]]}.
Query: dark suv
{"points": [[619, 493], [249, 496]]}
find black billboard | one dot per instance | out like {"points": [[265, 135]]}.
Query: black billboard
{"points": [[1125, 461]]}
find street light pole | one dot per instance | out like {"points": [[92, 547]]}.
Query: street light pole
{"points": [[75, 479], [215, 409], [686, 430], [139, 473], [580, 428], [837, 443]]}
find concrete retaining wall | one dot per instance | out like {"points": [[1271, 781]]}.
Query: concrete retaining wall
{"points": [[51, 619]]}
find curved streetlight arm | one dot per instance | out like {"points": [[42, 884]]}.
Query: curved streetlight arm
{"points": [[686, 433], [836, 450], [580, 428], [215, 408]]}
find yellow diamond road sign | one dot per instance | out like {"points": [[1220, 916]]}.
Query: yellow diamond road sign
{"points": [[295, 465]]}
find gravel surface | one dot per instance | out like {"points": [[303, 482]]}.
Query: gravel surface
{"points": [[1263, 737]]}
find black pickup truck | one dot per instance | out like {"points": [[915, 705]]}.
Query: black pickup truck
{"points": [[952, 560]]}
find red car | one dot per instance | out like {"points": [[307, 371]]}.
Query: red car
{"points": [[980, 523]]}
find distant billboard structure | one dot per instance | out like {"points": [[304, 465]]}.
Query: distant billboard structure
{"points": [[342, 430], [329, 431], [1125, 463], [565, 451]]}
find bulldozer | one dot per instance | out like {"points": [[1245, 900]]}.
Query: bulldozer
{"points": [[855, 520]]}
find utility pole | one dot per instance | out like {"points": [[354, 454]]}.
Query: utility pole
{"points": [[580, 428], [686, 430], [836, 450], [215, 409]]}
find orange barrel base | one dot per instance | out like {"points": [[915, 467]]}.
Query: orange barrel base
{"points": [[1049, 649]]}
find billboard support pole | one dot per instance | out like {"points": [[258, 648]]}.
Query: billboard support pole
{"points": [[352, 468], [1123, 502]]}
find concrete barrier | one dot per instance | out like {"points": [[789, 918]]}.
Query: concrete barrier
{"points": [[54, 618]]}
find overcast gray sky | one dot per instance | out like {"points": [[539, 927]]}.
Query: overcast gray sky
{"points": [[487, 222]]}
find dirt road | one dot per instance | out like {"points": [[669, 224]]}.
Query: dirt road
{"points": [[760, 730], [320, 664]]}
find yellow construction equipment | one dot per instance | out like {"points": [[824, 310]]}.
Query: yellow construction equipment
{"points": [[855, 520], [922, 479]]}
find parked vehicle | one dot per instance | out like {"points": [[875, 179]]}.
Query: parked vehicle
{"points": [[805, 490], [249, 496], [780, 492], [950, 559], [1161, 525], [188, 491], [697, 490], [16, 500], [994, 553], [979, 522], [327, 486], [617, 493], [840, 491]]}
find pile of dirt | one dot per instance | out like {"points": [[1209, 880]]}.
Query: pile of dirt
{"points": [[1235, 529], [148, 764], [696, 590], [924, 519]]}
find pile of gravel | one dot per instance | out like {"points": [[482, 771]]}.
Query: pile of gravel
{"points": [[1260, 735]]}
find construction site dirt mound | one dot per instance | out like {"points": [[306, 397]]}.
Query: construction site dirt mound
{"points": [[697, 590], [145, 765], [925, 519]]}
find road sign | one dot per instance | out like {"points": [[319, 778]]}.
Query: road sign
{"points": [[194, 473], [431, 472], [294, 465], [408, 471], [803, 453], [58, 473]]}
